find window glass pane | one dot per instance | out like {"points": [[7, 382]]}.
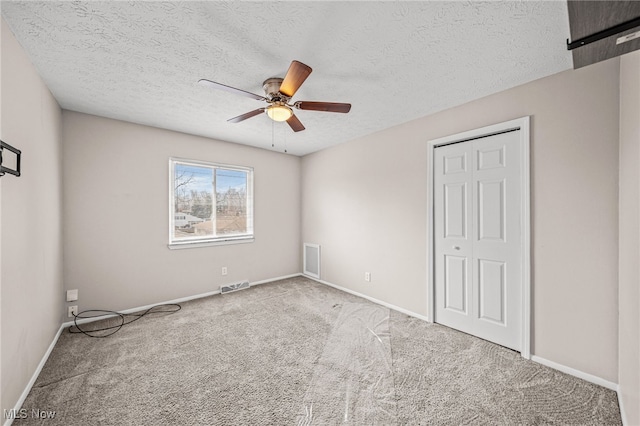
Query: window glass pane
{"points": [[210, 202], [193, 201], [231, 197]]}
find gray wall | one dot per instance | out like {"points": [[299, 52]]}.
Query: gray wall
{"points": [[629, 291], [116, 222], [31, 239], [364, 202]]}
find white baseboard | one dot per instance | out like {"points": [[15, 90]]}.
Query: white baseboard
{"points": [[371, 299], [35, 375], [270, 280], [180, 300], [141, 308], [623, 415], [577, 373]]}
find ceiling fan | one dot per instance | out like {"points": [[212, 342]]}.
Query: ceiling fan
{"points": [[278, 94]]}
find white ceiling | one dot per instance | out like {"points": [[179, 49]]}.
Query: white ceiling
{"points": [[393, 61]]}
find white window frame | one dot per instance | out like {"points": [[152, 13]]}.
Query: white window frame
{"points": [[206, 241]]}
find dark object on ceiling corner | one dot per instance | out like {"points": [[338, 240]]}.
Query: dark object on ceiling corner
{"points": [[598, 30]]}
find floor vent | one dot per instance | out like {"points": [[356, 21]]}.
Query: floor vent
{"points": [[234, 287], [311, 260]]}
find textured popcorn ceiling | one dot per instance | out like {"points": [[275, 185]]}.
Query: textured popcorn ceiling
{"points": [[393, 61]]}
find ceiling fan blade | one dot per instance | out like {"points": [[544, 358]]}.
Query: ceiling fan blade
{"points": [[296, 75], [220, 86], [246, 115], [295, 124], [323, 106]]}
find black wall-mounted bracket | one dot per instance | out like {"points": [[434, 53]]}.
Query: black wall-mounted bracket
{"points": [[603, 34], [18, 154]]}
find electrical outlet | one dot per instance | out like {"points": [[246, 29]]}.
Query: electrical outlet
{"points": [[224, 270], [367, 276], [72, 295], [72, 311]]}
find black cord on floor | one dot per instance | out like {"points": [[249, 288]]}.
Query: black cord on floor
{"points": [[174, 307]]}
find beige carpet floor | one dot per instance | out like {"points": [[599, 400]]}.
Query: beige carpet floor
{"points": [[296, 352]]}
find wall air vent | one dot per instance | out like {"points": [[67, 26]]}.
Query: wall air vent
{"points": [[234, 287], [311, 260]]}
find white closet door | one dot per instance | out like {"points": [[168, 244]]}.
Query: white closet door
{"points": [[478, 238], [453, 209]]}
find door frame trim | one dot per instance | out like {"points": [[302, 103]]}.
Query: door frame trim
{"points": [[523, 124]]}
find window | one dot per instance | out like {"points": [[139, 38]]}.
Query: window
{"points": [[210, 203]]}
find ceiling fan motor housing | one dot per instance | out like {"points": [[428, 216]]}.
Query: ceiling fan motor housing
{"points": [[271, 88]]}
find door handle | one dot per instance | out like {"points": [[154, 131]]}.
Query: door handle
{"points": [[456, 247]]}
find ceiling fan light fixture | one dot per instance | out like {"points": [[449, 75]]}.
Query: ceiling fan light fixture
{"points": [[279, 112], [279, 92]]}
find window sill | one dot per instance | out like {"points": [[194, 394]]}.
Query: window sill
{"points": [[196, 244]]}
